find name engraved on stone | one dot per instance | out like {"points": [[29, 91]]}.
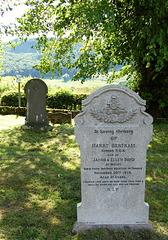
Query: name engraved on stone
{"points": [[111, 155], [113, 132]]}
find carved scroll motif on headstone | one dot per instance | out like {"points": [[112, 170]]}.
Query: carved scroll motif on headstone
{"points": [[114, 112]]}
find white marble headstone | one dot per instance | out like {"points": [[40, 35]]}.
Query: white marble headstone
{"points": [[113, 132]]}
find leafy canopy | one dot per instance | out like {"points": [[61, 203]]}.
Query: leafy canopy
{"points": [[129, 32], [112, 31], [5, 5]]}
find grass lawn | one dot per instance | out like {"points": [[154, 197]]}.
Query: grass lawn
{"points": [[40, 184]]}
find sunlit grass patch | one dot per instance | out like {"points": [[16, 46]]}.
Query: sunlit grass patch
{"points": [[157, 179], [40, 185], [6, 122]]}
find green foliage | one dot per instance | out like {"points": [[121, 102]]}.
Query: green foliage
{"points": [[21, 59], [112, 33], [156, 94], [6, 5], [117, 32], [62, 99], [1, 51], [11, 99], [78, 100], [9, 84], [19, 63], [65, 99]]}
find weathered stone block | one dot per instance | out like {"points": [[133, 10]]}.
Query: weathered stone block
{"points": [[36, 116]]}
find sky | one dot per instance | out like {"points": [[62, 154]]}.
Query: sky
{"points": [[10, 17]]}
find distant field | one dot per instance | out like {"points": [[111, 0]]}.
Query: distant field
{"points": [[74, 86], [77, 87], [10, 84]]}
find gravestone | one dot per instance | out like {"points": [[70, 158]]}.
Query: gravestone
{"points": [[113, 132], [36, 116]]}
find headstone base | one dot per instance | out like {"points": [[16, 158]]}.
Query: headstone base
{"points": [[116, 227], [37, 128]]}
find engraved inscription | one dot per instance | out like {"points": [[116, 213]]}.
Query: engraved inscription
{"points": [[113, 160], [113, 132]]}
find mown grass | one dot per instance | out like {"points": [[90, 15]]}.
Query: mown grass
{"points": [[40, 184]]}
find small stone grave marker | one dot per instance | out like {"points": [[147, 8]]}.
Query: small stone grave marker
{"points": [[36, 116], [113, 132]]}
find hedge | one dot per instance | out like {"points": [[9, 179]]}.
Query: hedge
{"points": [[11, 99], [62, 99]]}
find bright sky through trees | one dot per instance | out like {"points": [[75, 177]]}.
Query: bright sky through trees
{"points": [[10, 17]]}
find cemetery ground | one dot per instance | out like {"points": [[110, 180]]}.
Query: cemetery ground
{"points": [[40, 184]]}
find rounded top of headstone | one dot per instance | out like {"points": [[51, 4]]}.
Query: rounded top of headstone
{"points": [[36, 84], [113, 104], [117, 88]]}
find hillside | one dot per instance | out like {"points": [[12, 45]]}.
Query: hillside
{"points": [[22, 59]]}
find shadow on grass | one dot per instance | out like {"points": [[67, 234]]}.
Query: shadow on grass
{"points": [[39, 184], [40, 188], [157, 178]]}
